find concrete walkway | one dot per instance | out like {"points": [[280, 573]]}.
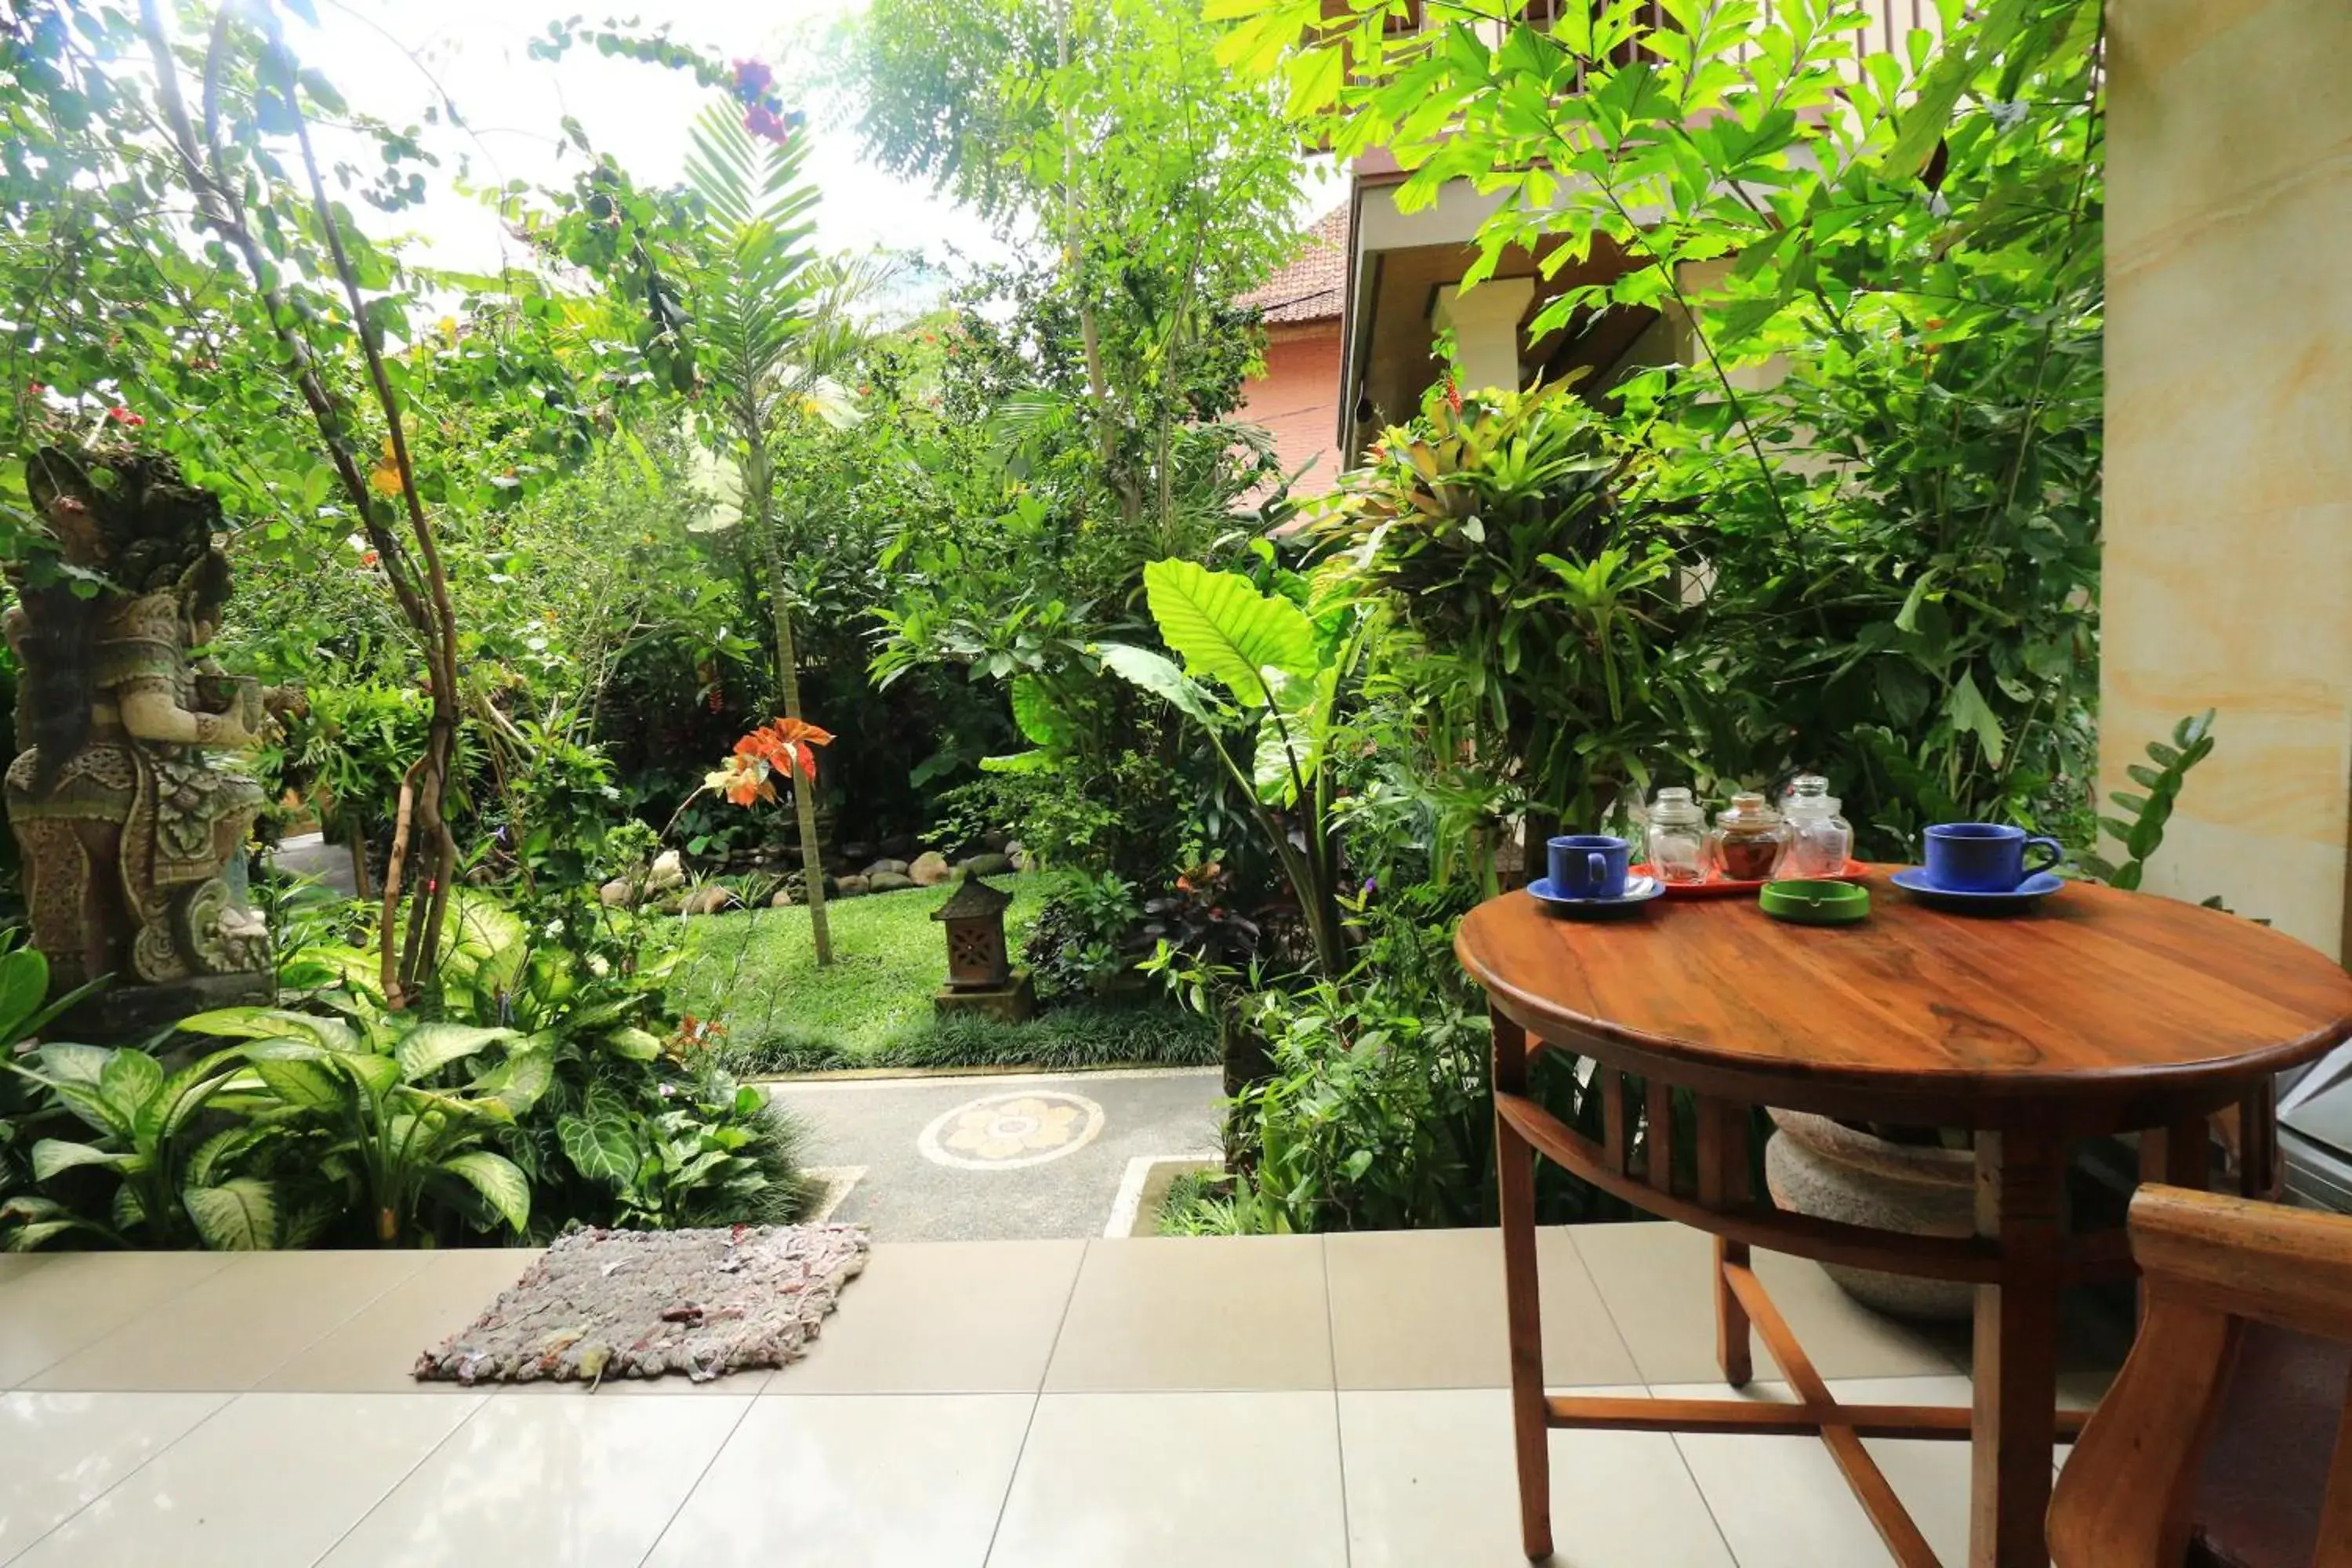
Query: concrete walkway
{"points": [[1002, 1157]]}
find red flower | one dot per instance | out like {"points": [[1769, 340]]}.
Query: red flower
{"points": [[1454, 396], [785, 744], [752, 79], [123, 416], [36, 387], [368, 558]]}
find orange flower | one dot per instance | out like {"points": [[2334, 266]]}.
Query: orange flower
{"points": [[785, 744], [742, 779]]}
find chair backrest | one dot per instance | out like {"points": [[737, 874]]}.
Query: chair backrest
{"points": [[2211, 1265]]}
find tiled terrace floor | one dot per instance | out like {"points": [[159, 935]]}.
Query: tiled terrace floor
{"points": [[1287, 1403]]}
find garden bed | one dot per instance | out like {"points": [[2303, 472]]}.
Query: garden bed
{"points": [[756, 973]]}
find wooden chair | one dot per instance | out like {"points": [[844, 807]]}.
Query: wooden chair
{"points": [[2227, 1438]]}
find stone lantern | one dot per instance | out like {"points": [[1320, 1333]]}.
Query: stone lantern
{"points": [[981, 976]]}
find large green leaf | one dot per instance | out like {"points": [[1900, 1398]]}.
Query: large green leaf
{"points": [[24, 982], [273, 1023], [73, 1064], [634, 1043], [428, 1047], [498, 1180], [238, 1215], [1157, 674], [1225, 630], [519, 1081], [1291, 752], [51, 1155], [307, 1084], [131, 1079], [603, 1148]]}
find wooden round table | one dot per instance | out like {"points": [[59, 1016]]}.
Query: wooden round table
{"points": [[2098, 1012]]}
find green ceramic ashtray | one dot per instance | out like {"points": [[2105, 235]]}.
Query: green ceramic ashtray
{"points": [[1808, 901]]}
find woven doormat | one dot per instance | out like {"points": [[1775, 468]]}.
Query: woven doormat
{"points": [[643, 1303]]}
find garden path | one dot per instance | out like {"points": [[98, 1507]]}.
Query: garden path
{"points": [[1001, 1156], [309, 855]]}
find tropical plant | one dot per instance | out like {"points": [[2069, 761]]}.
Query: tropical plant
{"points": [[2140, 829], [402, 1134], [1541, 611], [348, 753], [177, 1173], [716, 1153], [1281, 672], [1887, 440]]}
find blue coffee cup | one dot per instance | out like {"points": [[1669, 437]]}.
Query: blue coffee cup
{"points": [[1588, 866], [1984, 857]]}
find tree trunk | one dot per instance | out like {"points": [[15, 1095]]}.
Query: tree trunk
{"points": [[803, 792], [758, 483]]}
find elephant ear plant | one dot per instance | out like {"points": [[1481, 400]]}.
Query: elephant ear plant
{"points": [[1281, 671]]}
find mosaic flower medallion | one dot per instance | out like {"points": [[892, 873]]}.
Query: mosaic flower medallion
{"points": [[1006, 1132]]}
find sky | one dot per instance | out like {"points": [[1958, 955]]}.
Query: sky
{"points": [[513, 105]]}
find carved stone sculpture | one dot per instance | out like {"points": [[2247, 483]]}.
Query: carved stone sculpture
{"points": [[132, 821]]}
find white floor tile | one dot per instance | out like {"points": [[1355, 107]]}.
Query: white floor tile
{"points": [[842, 1481], [275, 1479], [1156, 1481], [584, 1482], [1432, 1480], [60, 1451]]}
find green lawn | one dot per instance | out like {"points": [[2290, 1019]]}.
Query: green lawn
{"points": [[757, 974]]}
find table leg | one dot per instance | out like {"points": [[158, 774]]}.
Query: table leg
{"points": [[2258, 1152], [2019, 1177], [1514, 1184], [1723, 1183]]}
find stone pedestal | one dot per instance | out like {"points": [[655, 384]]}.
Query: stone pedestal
{"points": [[1014, 1003], [122, 1015]]}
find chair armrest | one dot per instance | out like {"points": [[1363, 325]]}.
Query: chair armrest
{"points": [[2291, 1267]]}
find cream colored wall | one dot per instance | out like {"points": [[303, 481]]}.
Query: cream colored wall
{"points": [[2228, 578]]}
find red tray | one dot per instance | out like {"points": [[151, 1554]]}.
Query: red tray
{"points": [[1723, 887]]}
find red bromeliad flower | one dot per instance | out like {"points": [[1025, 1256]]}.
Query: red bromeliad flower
{"points": [[122, 416]]}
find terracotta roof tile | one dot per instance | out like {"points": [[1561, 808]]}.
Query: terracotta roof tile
{"points": [[1314, 288]]}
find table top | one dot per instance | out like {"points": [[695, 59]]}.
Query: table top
{"points": [[2094, 996]]}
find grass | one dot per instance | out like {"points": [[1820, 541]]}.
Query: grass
{"points": [[756, 973]]}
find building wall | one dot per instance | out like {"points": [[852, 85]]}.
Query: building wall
{"points": [[2228, 579], [1298, 399]]}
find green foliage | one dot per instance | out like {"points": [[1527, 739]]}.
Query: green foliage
{"points": [[1065, 1036], [1284, 672], [1083, 938], [2140, 829], [1543, 613], [402, 1128], [1378, 1113], [1884, 452]]}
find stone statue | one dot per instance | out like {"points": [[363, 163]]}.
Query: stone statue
{"points": [[131, 823]]}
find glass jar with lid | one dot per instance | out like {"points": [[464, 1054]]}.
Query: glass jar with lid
{"points": [[1676, 837], [1820, 841], [1748, 841]]}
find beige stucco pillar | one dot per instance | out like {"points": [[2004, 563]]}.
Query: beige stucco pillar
{"points": [[2228, 579], [1484, 323]]}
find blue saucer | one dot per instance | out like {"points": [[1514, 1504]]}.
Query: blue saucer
{"points": [[1639, 890], [2039, 886]]}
